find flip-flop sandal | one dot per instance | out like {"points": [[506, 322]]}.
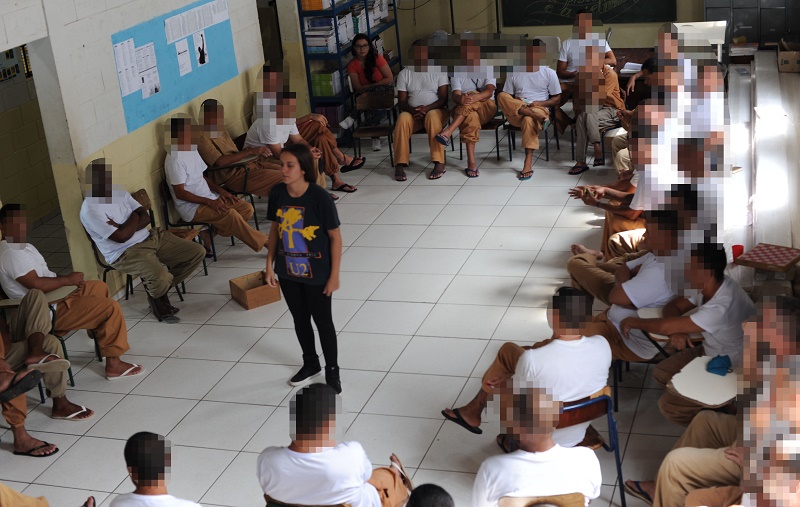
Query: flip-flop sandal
{"points": [[578, 170], [522, 176], [638, 492], [334, 196], [472, 173], [461, 422], [443, 139], [127, 373], [30, 452], [400, 468], [352, 167], [506, 443], [435, 175], [45, 366], [598, 162], [86, 503], [21, 384], [345, 187], [400, 176], [74, 416]]}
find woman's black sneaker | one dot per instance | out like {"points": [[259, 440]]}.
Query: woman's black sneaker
{"points": [[332, 378], [306, 374]]}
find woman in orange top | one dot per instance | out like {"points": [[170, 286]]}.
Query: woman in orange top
{"points": [[369, 72]]}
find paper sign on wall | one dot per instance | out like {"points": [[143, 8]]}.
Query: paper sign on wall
{"points": [[191, 21], [200, 48], [148, 70], [184, 57], [125, 58]]}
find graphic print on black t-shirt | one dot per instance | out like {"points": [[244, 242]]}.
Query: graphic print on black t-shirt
{"points": [[293, 241]]}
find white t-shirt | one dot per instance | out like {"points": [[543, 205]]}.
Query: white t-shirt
{"points": [[467, 84], [722, 317], [530, 86], [95, 214], [571, 50], [557, 471], [268, 132], [134, 500], [334, 476], [16, 260], [648, 289], [553, 367], [186, 168], [422, 87]]}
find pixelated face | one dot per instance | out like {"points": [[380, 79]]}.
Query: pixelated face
{"points": [[421, 58], [770, 334], [287, 108], [99, 178], [691, 159], [582, 24], [649, 77], [15, 227], [525, 410], [534, 56], [272, 82], [667, 46], [290, 168], [696, 273], [470, 53], [659, 240], [213, 119]]}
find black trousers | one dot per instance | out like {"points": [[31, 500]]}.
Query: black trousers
{"points": [[306, 302]]}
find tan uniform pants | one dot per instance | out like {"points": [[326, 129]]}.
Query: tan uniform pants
{"points": [[32, 316], [233, 223], [90, 308], [722, 496], [11, 498], [698, 460], [530, 126], [162, 261], [319, 136], [620, 152], [262, 174], [587, 127], [594, 277], [392, 491], [676, 408], [623, 243], [406, 126], [475, 115], [617, 223], [600, 325]]}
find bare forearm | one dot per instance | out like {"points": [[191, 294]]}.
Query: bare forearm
{"points": [[272, 245], [46, 284], [187, 196], [231, 158], [336, 254]]}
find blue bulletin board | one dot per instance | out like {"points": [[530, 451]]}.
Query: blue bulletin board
{"points": [[169, 60]]}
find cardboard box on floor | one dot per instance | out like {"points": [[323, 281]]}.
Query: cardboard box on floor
{"points": [[788, 56], [250, 291]]}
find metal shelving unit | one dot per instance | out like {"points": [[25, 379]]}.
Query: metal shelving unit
{"points": [[340, 6]]}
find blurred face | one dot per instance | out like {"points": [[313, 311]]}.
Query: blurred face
{"points": [[15, 227], [534, 55], [691, 160], [696, 273], [421, 58], [287, 108], [667, 46], [361, 48], [583, 24], [101, 180], [186, 137], [649, 78], [471, 54], [213, 120], [272, 82], [290, 169], [660, 241]]}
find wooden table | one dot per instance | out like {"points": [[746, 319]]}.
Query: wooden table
{"points": [[633, 55]]}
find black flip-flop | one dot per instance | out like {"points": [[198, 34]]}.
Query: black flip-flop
{"points": [[472, 173], [435, 175], [344, 188], [30, 452], [400, 176], [578, 170], [86, 503], [350, 167], [442, 139], [599, 162], [21, 384], [638, 492], [461, 422]]}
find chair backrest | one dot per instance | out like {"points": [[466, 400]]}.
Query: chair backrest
{"points": [[98, 257], [567, 500], [588, 409], [370, 101], [166, 198]]}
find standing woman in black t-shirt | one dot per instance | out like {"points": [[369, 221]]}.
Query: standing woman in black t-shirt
{"points": [[305, 252]]}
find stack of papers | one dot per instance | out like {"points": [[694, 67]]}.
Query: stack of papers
{"points": [[631, 68]]}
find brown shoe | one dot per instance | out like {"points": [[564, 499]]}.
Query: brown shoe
{"points": [[160, 310], [164, 300]]}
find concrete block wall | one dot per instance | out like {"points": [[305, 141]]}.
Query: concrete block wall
{"points": [[21, 21], [26, 175]]}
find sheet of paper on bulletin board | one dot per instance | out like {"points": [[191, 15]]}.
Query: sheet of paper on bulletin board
{"points": [[169, 60]]}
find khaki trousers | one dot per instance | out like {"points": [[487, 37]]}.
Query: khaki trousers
{"points": [[722, 496], [698, 460], [600, 325], [90, 308], [475, 115], [674, 407], [233, 223], [407, 125], [530, 127], [262, 174], [318, 136], [617, 223], [626, 242], [620, 152], [392, 491], [11, 498], [594, 277], [162, 261], [587, 127]]}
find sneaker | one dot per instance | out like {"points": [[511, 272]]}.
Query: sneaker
{"points": [[376, 144], [332, 378], [347, 123], [306, 374]]}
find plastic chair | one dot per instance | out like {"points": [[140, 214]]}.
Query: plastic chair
{"points": [[372, 101], [166, 198], [512, 138], [101, 261], [495, 124]]}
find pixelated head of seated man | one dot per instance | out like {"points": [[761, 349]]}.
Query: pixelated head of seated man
{"points": [[569, 310], [430, 495], [777, 330], [684, 199], [148, 457], [286, 108], [700, 157], [527, 409], [183, 134], [707, 263], [535, 55], [13, 223], [99, 180], [212, 117], [662, 227], [646, 125], [272, 77], [773, 409], [584, 23], [313, 413], [668, 41]]}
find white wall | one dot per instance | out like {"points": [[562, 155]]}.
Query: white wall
{"points": [[22, 21]]}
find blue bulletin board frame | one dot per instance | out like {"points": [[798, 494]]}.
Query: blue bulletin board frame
{"points": [[175, 89]]}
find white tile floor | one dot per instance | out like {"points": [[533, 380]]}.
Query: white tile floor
{"points": [[436, 275]]}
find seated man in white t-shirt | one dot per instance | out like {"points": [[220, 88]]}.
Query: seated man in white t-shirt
{"points": [[722, 308], [526, 100], [118, 227], [148, 457], [540, 467], [422, 100], [197, 198], [552, 364], [316, 470]]}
